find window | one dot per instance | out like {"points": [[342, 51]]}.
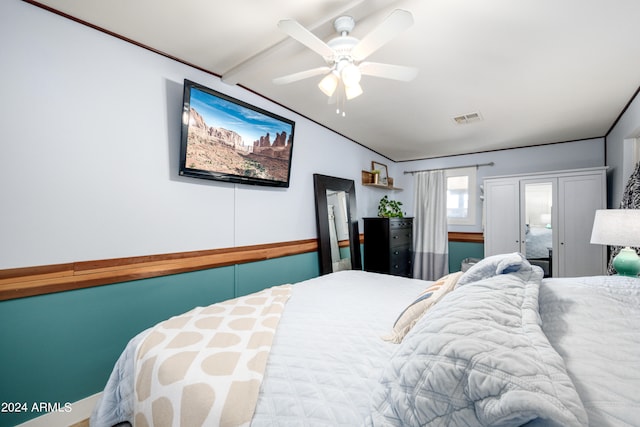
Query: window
{"points": [[461, 196]]}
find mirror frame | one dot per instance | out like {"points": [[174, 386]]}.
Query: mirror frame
{"points": [[322, 183]]}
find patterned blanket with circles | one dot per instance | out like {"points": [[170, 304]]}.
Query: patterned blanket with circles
{"points": [[205, 367]]}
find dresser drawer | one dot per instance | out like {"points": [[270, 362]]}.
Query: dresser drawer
{"points": [[400, 236], [401, 223], [400, 259]]}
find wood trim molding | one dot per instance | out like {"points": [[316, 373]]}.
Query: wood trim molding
{"points": [[347, 243], [46, 279], [31, 281], [456, 236]]}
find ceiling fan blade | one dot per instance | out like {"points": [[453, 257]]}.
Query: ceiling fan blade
{"points": [[301, 75], [388, 71], [304, 36], [397, 22]]}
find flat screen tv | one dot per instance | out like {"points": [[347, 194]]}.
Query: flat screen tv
{"points": [[229, 140]]}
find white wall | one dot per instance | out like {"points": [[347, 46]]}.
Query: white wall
{"points": [[89, 142], [552, 157], [89, 146], [620, 151]]}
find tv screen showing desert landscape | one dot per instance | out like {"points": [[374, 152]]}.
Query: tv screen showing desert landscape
{"points": [[226, 139]]}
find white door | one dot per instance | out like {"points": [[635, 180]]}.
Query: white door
{"points": [[502, 219], [578, 198]]}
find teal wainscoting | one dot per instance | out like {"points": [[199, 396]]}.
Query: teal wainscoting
{"points": [[461, 250], [255, 276], [61, 347]]}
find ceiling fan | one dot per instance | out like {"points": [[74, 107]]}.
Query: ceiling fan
{"points": [[345, 54]]}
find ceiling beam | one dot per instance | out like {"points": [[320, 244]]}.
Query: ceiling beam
{"points": [[358, 9]]}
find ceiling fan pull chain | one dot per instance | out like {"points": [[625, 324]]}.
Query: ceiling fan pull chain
{"points": [[341, 101]]}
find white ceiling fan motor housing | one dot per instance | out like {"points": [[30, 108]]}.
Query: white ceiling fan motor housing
{"points": [[343, 44], [344, 24]]}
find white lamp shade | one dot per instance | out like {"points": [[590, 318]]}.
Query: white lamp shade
{"points": [[328, 84], [616, 227], [350, 75], [353, 91]]}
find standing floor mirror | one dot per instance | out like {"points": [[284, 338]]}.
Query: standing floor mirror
{"points": [[337, 224]]}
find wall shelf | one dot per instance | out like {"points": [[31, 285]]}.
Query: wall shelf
{"points": [[381, 186], [367, 181]]}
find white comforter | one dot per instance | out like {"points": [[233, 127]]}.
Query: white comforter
{"points": [[594, 324], [326, 357]]}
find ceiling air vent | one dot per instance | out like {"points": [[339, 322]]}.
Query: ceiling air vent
{"points": [[467, 118]]}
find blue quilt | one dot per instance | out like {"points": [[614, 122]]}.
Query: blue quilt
{"points": [[480, 358]]}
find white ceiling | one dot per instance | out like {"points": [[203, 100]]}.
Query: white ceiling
{"points": [[538, 71]]}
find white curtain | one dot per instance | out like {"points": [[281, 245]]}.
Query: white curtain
{"points": [[431, 243]]}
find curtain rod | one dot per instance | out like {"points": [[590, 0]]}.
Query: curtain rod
{"points": [[477, 165]]}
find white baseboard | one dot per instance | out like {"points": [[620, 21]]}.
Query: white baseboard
{"points": [[80, 410]]}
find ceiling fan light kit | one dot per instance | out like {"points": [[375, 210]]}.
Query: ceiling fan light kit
{"points": [[344, 55], [328, 84], [352, 91], [350, 75]]}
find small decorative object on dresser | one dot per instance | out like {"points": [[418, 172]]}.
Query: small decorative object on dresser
{"points": [[388, 246]]}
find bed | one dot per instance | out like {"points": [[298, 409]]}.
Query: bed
{"points": [[496, 345], [539, 241]]}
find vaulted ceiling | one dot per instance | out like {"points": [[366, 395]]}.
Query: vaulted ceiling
{"points": [[535, 71]]}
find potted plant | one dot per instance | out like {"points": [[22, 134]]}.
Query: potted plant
{"points": [[389, 208]]}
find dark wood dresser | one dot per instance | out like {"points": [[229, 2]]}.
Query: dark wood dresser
{"points": [[388, 246]]}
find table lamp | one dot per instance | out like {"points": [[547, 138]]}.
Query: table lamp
{"points": [[619, 227]]}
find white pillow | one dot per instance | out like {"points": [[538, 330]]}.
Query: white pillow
{"points": [[414, 311]]}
